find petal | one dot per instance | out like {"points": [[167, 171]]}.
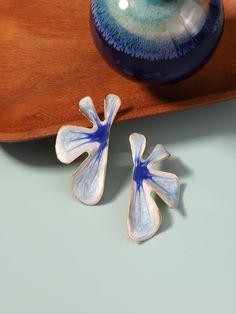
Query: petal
{"points": [[167, 186], [111, 106], [137, 144], [72, 141], [158, 154], [87, 108], [88, 179], [144, 216]]}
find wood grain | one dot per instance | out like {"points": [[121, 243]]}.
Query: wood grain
{"points": [[48, 62]]}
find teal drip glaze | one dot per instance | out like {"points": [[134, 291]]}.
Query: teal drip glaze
{"points": [[142, 29]]}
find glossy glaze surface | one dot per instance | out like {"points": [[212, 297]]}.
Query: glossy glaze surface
{"points": [[72, 141], [156, 41], [144, 217]]}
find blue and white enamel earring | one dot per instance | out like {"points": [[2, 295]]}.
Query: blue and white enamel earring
{"points": [[72, 141], [144, 217]]}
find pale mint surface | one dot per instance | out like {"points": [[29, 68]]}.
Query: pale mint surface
{"points": [[58, 256]]}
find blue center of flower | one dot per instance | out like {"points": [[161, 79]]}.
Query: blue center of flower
{"points": [[101, 134], [141, 173]]}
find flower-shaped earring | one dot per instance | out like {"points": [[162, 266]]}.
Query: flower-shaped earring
{"points": [[72, 141], [144, 217]]}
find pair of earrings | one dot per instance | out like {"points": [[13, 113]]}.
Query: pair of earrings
{"points": [[88, 180]]}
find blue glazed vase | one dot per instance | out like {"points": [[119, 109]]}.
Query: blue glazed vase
{"points": [[157, 41]]}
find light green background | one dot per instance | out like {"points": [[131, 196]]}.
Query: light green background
{"points": [[58, 256]]}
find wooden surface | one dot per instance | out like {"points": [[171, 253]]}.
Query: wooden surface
{"points": [[48, 62]]}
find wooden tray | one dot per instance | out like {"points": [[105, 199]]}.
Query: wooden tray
{"points": [[48, 62]]}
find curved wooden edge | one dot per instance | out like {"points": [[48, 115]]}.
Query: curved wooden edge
{"points": [[48, 62], [50, 131]]}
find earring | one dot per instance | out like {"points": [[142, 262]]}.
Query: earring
{"points": [[72, 141], [144, 217]]}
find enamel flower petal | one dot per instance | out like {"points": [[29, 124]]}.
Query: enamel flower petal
{"points": [[72, 141], [144, 217]]}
